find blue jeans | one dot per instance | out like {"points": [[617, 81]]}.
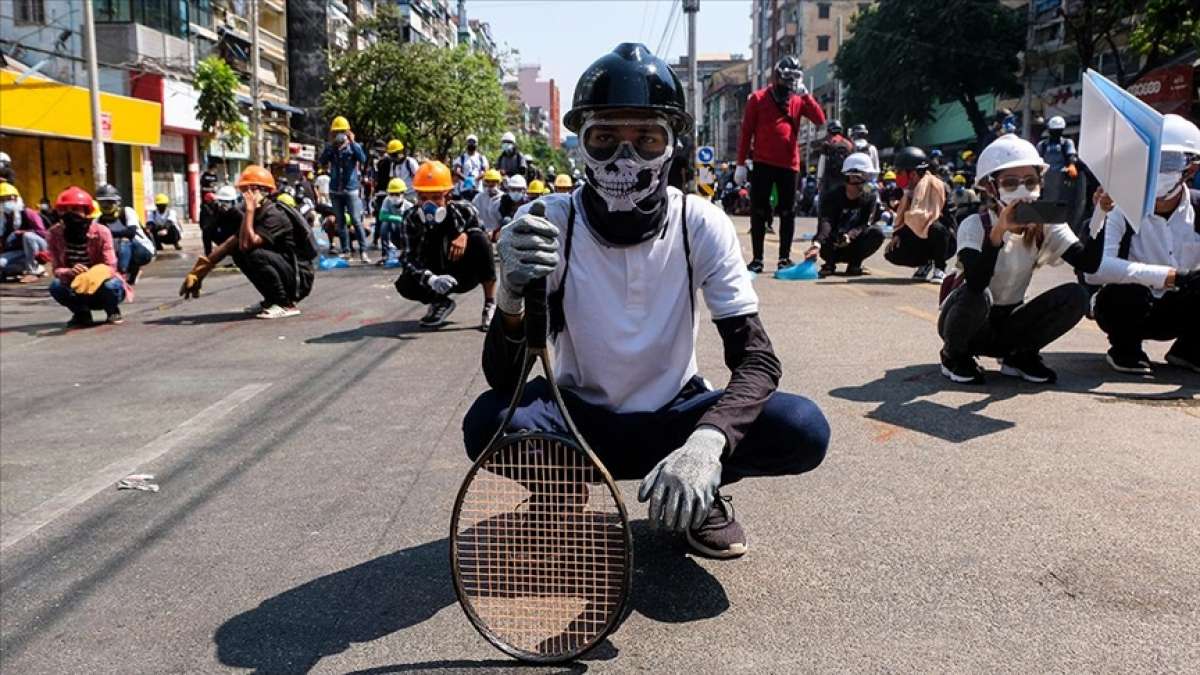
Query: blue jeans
{"points": [[24, 259], [790, 435], [130, 258], [349, 205], [110, 294]]}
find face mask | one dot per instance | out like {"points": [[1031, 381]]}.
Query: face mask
{"points": [[161, 209], [516, 195], [75, 221], [1167, 183], [395, 157], [1055, 134], [339, 138], [12, 206], [1021, 194], [432, 213], [397, 201], [960, 189], [491, 190], [506, 146], [889, 184], [902, 181], [225, 206], [470, 147]]}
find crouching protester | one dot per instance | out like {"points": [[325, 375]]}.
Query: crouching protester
{"points": [[85, 264], [1151, 276], [164, 224], [921, 238], [393, 208], [23, 238], [987, 314], [845, 231], [623, 257], [443, 249], [274, 249]]}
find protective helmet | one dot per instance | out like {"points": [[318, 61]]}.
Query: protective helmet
{"points": [[1007, 152], [788, 68], [959, 179], [432, 176], [227, 193], [537, 187], [161, 200], [911, 158], [630, 76], [256, 176], [889, 175], [834, 127], [108, 193], [9, 190], [492, 175], [936, 152], [967, 154], [858, 162], [5, 158], [285, 198], [508, 137], [1180, 135], [859, 131], [472, 137], [396, 186], [563, 180], [1056, 123], [340, 124], [73, 197], [516, 182], [95, 212], [394, 146]]}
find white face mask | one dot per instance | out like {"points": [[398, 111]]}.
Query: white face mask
{"points": [[12, 206], [1167, 184], [516, 195], [396, 201], [1021, 194]]}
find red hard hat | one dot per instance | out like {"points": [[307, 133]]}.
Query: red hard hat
{"points": [[72, 197], [209, 197]]}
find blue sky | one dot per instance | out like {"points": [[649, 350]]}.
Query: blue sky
{"points": [[565, 36]]}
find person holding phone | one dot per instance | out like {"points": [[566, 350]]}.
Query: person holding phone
{"points": [[987, 313]]}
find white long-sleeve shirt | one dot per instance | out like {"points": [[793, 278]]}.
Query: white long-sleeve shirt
{"points": [[489, 209], [1159, 245]]}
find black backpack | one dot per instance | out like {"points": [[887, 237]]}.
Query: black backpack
{"points": [[302, 236]]}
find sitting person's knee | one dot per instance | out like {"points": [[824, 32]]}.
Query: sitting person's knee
{"points": [[481, 422], [805, 434]]}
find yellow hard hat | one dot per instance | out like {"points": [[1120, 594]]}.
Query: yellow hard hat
{"points": [[562, 180], [889, 175], [395, 145], [9, 190], [96, 213], [968, 154], [340, 124], [959, 179], [285, 198], [492, 175], [161, 200], [537, 187], [396, 186]]}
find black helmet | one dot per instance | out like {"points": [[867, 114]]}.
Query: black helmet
{"points": [[107, 193], [858, 131], [789, 68], [630, 76], [911, 158], [834, 127]]}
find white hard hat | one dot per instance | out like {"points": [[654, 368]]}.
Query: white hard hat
{"points": [[1180, 135], [472, 137], [5, 158], [1056, 123], [517, 181], [1007, 152], [227, 193], [858, 162], [508, 137]]}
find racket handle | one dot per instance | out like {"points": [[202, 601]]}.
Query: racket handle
{"points": [[535, 299]]}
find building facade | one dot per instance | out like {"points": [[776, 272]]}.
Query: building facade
{"points": [[542, 99], [725, 96], [812, 30]]}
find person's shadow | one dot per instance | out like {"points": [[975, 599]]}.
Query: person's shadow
{"points": [[293, 631]]}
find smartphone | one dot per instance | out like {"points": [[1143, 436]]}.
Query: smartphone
{"points": [[1040, 212]]}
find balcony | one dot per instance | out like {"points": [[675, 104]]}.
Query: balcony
{"points": [[271, 44], [131, 42]]}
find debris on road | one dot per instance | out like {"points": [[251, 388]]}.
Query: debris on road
{"points": [[138, 481]]}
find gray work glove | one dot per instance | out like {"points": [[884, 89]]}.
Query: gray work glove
{"points": [[740, 175], [528, 249], [440, 283], [681, 487]]}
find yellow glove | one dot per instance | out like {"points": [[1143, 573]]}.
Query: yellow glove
{"points": [[191, 282], [90, 281], [1072, 172]]}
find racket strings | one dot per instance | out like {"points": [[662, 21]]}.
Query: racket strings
{"points": [[540, 547]]}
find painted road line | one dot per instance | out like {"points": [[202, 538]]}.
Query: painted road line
{"points": [[201, 424], [919, 313]]}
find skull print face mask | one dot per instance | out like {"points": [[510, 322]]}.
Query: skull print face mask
{"points": [[626, 161]]}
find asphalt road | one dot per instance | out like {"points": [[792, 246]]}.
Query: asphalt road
{"points": [[308, 467]]}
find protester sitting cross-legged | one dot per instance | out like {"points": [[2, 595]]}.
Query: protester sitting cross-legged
{"points": [[1151, 274], [274, 249], [443, 249], [23, 239], [988, 314], [845, 231], [623, 258], [85, 265], [920, 238]]}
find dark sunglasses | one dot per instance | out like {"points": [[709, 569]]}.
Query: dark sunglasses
{"points": [[1010, 183]]}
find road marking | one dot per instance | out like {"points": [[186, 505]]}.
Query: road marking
{"points": [[919, 313], [200, 424]]}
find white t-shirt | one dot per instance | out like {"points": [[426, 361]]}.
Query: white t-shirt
{"points": [[1016, 260], [488, 208], [1159, 245], [471, 166], [630, 339]]}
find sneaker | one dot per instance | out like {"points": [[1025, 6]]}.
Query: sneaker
{"points": [[1180, 358], [1028, 367], [937, 276], [489, 310], [38, 270], [720, 536], [81, 320], [1132, 360], [363, 258], [277, 312], [855, 271], [770, 229], [784, 263], [438, 313], [255, 308], [963, 369], [922, 271], [755, 266], [115, 319]]}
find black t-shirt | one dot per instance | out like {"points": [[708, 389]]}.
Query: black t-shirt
{"points": [[208, 181], [840, 214], [274, 226]]}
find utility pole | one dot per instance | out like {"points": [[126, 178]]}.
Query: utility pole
{"points": [[99, 167], [691, 7], [838, 81], [1027, 110], [255, 101]]}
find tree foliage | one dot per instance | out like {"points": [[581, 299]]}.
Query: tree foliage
{"points": [[1159, 30], [907, 55], [217, 107], [1166, 28]]}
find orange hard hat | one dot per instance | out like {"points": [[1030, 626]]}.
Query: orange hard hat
{"points": [[256, 176], [432, 176]]}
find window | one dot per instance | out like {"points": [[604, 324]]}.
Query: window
{"points": [[168, 16], [823, 10], [113, 11], [30, 11], [822, 43]]}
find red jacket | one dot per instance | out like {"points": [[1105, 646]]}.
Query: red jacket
{"points": [[771, 138]]}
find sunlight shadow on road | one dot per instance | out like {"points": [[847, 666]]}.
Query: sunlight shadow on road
{"points": [[399, 330]]}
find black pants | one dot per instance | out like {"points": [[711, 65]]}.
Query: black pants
{"points": [[476, 266], [913, 251], [275, 277], [969, 324], [1130, 313], [859, 249], [763, 178], [169, 235]]}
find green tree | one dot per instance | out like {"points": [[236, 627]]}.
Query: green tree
{"points": [[1165, 28], [1158, 31], [907, 55], [217, 107]]}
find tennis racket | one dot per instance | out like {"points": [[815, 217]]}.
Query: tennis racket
{"points": [[540, 547]]}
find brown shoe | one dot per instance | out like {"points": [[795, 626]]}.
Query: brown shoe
{"points": [[720, 536]]}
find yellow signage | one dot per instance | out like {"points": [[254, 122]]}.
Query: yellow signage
{"points": [[45, 107]]}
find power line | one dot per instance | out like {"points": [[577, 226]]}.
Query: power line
{"points": [[667, 26]]}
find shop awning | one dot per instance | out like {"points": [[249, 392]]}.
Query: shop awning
{"points": [[282, 107], [44, 107]]}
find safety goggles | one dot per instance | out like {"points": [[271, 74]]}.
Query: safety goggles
{"points": [[1172, 161], [855, 179], [1011, 183], [648, 139]]}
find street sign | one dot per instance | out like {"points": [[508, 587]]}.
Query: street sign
{"points": [[705, 154]]}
